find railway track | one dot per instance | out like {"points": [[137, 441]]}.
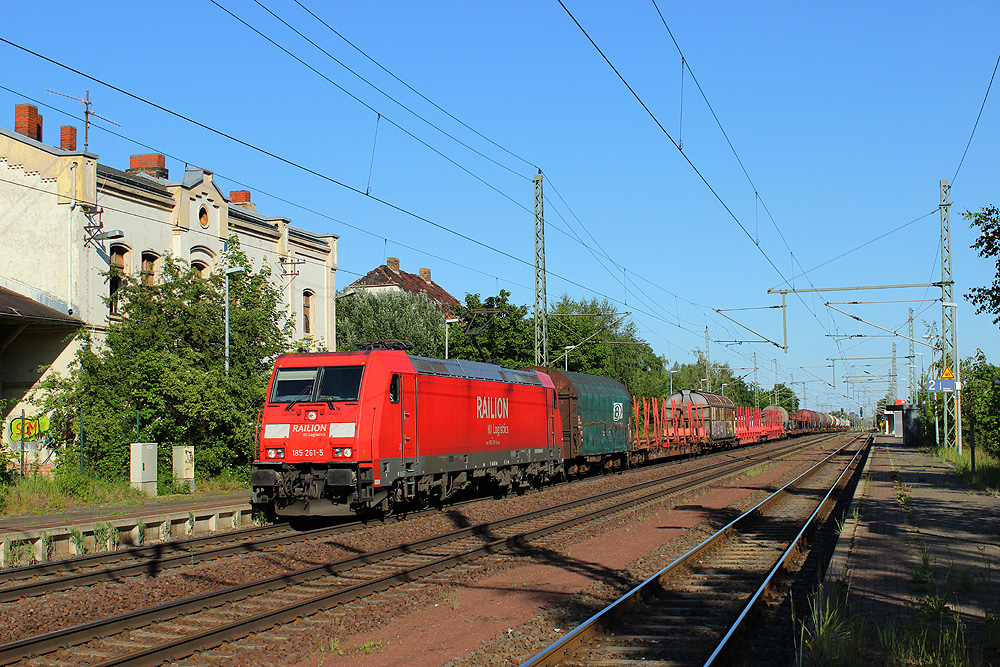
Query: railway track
{"points": [[62, 575], [178, 629], [692, 611]]}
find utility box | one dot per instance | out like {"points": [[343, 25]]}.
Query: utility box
{"points": [[143, 467], [184, 466], [911, 425]]}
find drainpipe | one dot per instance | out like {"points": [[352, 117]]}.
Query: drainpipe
{"points": [[69, 244]]}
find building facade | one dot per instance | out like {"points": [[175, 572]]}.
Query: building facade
{"points": [[65, 219]]}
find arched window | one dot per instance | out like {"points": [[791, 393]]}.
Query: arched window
{"points": [[119, 257], [307, 311], [148, 269], [202, 260]]}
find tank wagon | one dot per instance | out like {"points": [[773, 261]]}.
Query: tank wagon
{"points": [[351, 432]]}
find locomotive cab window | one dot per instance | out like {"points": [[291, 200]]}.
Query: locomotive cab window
{"points": [[340, 383], [394, 389], [293, 384]]}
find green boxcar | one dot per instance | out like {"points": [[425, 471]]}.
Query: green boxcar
{"points": [[596, 414]]}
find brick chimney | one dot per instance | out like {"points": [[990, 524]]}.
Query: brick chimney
{"points": [[426, 275], [242, 198], [393, 264], [67, 137], [27, 121], [151, 164]]}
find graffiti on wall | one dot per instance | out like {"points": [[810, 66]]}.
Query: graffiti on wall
{"points": [[32, 427]]}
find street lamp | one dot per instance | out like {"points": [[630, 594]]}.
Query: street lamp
{"points": [[724, 388], [566, 356], [672, 382], [229, 272], [701, 383], [448, 321]]}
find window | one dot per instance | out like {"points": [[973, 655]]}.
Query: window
{"points": [[148, 270], [203, 217], [340, 383], [336, 383], [394, 389], [307, 309], [118, 256], [201, 268], [293, 384]]}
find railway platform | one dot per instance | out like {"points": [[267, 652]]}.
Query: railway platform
{"points": [[71, 532], [919, 538]]}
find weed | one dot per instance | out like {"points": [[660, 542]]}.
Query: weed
{"points": [[114, 537], [101, 536], [191, 523], [827, 636], [334, 646], [140, 530], [960, 580], [260, 518], [921, 644], [46, 540], [165, 530], [372, 647], [76, 539], [839, 528], [931, 609], [922, 572], [856, 514]]}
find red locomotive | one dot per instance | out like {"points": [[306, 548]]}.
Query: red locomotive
{"points": [[347, 432]]}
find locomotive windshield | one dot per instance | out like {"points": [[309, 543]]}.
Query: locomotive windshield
{"points": [[336, 383]]}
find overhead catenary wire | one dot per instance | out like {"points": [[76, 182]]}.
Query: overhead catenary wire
{"points": [[976, 124]]}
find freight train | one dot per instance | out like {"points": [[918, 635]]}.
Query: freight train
{"points": [[348, 433]]}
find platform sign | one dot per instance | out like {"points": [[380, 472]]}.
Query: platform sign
{"points": [[942, 385]]}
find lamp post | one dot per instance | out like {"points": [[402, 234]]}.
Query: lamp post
{"points": [[566, 356], [724, 388], [448, 321], [229, 272], [672, 382], [701, 383]]}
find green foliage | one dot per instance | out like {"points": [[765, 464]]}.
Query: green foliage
{"points": [[987, 220], [509, 338], [390, 315], [163, 362]]}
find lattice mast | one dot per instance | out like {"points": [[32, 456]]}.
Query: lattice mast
{"points": [[541, 300], [949, 335], [913, 368], [892, 376]]}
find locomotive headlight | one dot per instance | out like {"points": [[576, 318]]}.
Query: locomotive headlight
{"points": [[276, 453], [347, 452], [338, 452]]}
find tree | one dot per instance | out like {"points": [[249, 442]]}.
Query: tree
{"points": [[159, 373], [509, 338], [390, 315], [981, 401], [987, 299]]}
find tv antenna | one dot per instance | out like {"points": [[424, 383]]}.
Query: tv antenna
{"points": [[87, 113]]}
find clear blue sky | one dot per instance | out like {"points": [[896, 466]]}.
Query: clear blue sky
{"points": [[845, 116]]}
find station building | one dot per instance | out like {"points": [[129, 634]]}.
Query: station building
{"points": [[65, 219]]}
